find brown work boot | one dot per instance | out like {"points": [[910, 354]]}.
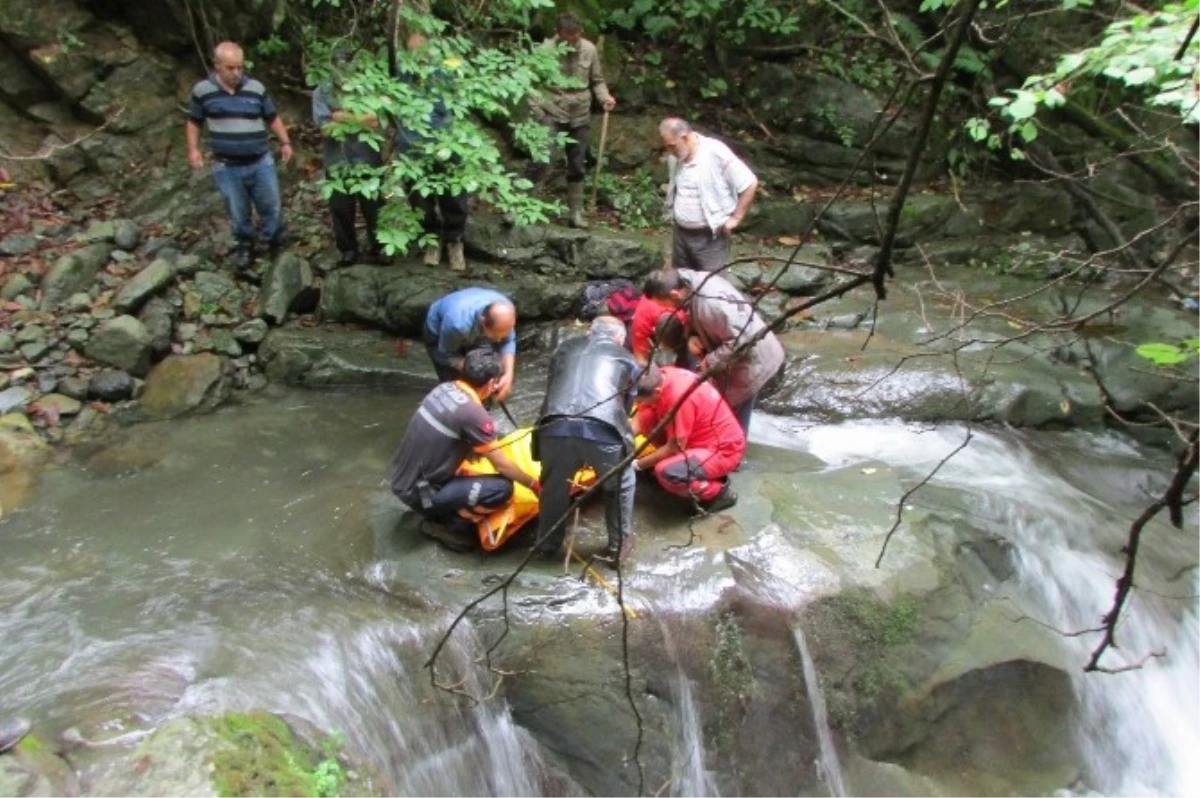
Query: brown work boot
{"points": [[454, 253], [433, 255]]}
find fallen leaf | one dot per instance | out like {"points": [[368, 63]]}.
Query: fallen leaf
{"points": [[789, 241]]}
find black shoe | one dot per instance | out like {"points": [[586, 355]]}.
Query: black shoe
{"points": [[242, 258], [12, 732], [620, 552], [377, 257], [248, 274], [275, 248], [722, 501], [457, 535], [348, 258]]}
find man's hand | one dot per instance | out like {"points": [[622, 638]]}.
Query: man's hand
{"points": [[731, 224], [504, 384], [610, 103], [285, 151], [195, 158], [695, 346]]}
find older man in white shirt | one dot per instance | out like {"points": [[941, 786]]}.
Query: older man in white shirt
{"points": [[708, 196]]}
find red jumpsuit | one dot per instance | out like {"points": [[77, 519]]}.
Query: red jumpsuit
{"points": [[711, 439]]}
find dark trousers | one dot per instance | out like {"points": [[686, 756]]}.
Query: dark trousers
{"points": [[577, 149], [343, 209], [480, 494], [700, 249], [452, 221], [561, 458]]}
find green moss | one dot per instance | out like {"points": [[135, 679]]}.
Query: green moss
{"points": [[267, 759], [860, 629], [732, 675], [31, 744]]}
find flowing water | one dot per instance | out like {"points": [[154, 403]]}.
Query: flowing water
{"points": [[219, 564], [829, 767], [246, 560], [1065, 502]]}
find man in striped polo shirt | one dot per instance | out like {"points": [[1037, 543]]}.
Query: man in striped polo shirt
{"points": [[237, 111]]}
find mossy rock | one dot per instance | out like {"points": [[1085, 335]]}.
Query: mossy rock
{"points": [[266, 758], [236, 754]]}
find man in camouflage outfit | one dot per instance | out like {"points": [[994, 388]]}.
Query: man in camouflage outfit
{"points": [[569, 110]]}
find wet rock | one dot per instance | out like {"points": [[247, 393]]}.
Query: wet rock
{"points": [[216, 288], [126, 234], [158, 317], [284, 282], [122, 342], [187, 265], [144, 284], [72, 273], [35, 768], [74, 387], [18, 244], [180, 384], [77, 338], [59, 404], [321, 357], [111, 385], [186, 331], [16, 285], [99, 231], [78, 302], [8, 342], [14, 398], [22, 454], [34, 350], [255, 753], [31, 332], [252, 332]]}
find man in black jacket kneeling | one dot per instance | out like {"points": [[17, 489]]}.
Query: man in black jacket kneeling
{"points": [[585, 422]]}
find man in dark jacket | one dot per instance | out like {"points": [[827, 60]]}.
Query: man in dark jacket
{"points": [[585, 422], [342, 153], [443, 214]]}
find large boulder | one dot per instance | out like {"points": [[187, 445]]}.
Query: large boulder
{"points": [[73, 273], [123, 342], [22, 454], [342, 358], [255, 753], [65, 44], [183, 383], [285, 281], [144, 285]]}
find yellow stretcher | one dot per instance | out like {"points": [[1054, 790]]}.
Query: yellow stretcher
{"points": [[523, 508]]}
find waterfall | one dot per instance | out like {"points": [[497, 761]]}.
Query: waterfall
{"points": [[1137, 732], [689, 776], [829, 768]]}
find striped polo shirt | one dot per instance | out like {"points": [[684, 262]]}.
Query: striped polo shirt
{"points": [[237, 121]]}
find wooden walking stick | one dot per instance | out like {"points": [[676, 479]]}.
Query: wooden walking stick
{"points": [[599, 159]]}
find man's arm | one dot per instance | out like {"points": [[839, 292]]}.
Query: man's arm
{"points": [[743, 183], [507, 468], [507, 376], [745, 198], [281, 133], [725, 325], [596, 82], [192, 131]]}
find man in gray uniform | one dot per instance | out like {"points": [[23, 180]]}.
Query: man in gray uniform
{"points": [[585, 422], [450, 426]]}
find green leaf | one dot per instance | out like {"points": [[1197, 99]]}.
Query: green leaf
{"points": [[1162, 354], [1023, 106]]}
